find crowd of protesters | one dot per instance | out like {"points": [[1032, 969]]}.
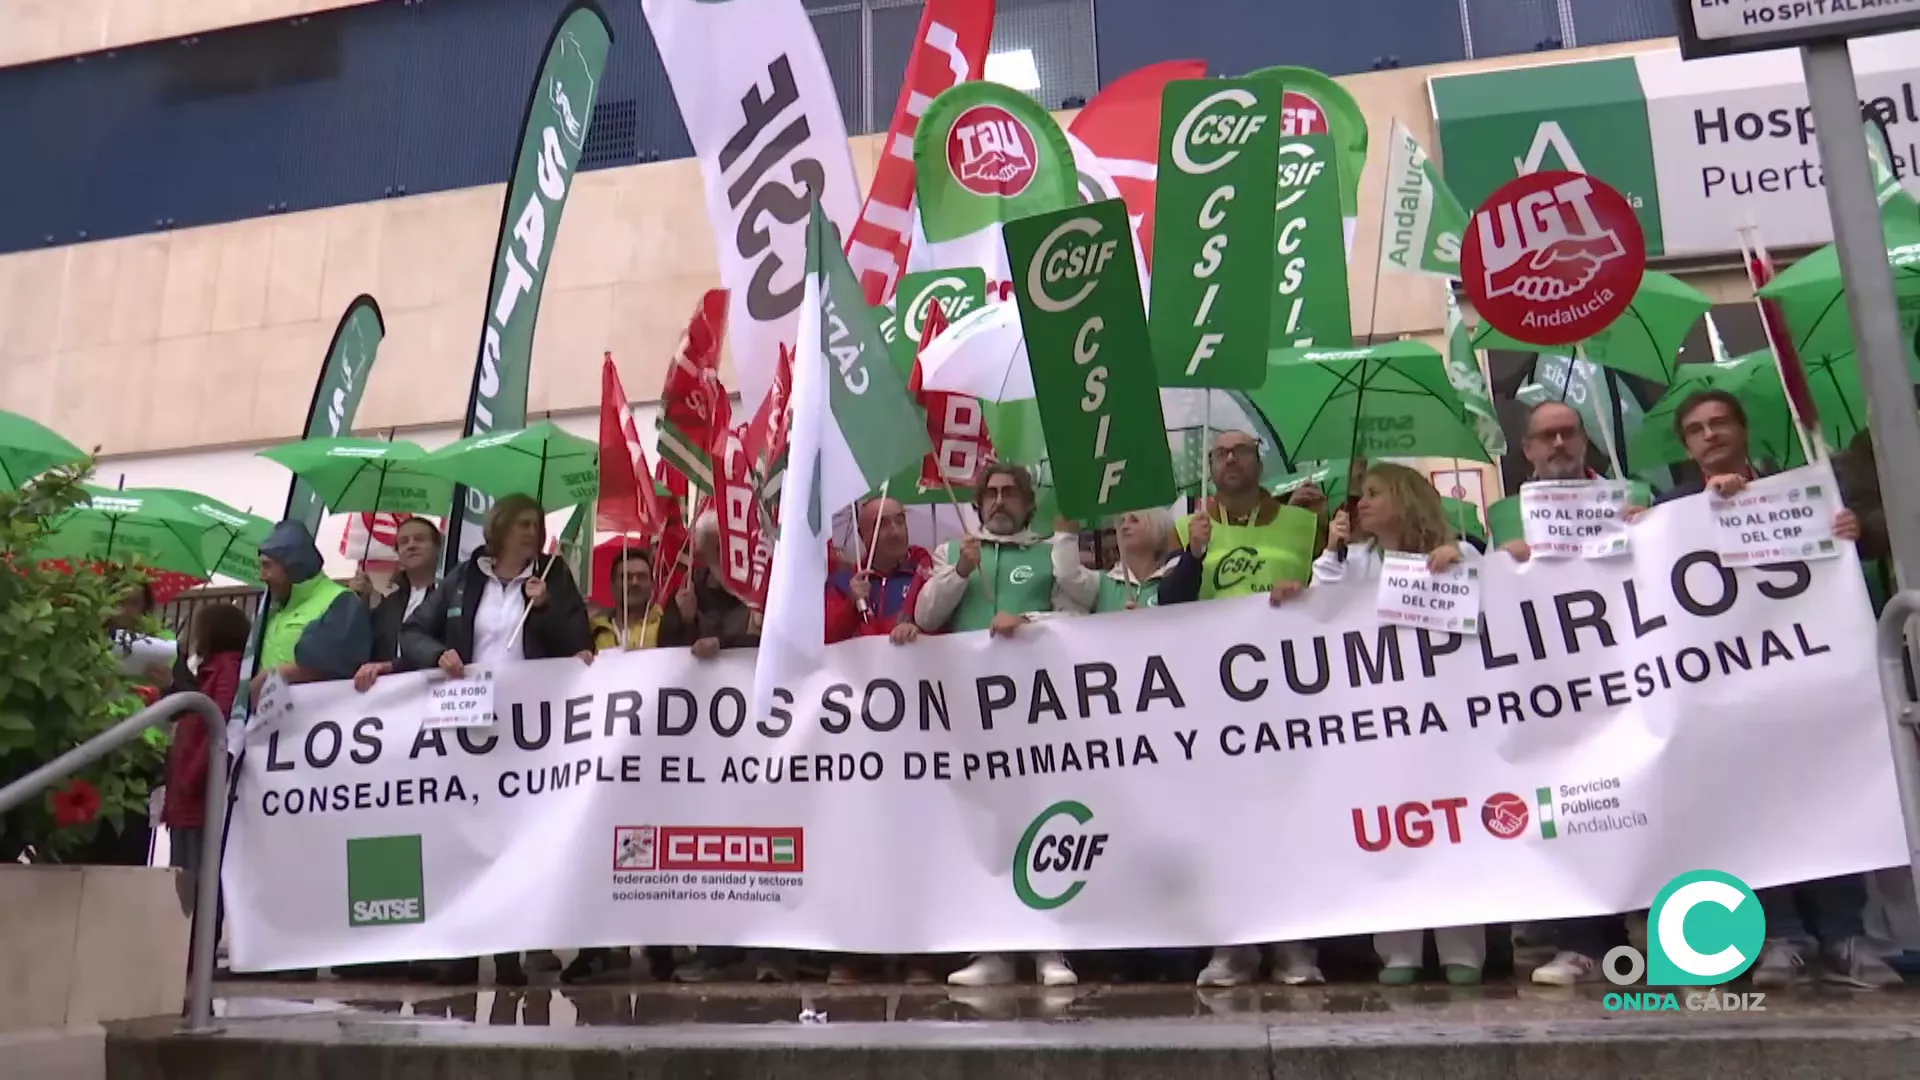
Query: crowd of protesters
{"points": [[510, 602]]}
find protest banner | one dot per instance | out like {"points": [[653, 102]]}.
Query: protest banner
{"points": [[1444, 601], [1223, 772], [1576, 519], [1788, 516], [1219, 163]]}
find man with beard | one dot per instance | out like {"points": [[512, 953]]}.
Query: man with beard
{"points": [[1555, 449], [705, 616], [876, 598], [1000, 576], [997, 579], [1244, 541]]}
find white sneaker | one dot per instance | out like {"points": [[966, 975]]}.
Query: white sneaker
{"points": [[987, 969], [1052, 969], [1851, 963], [1566, 969], [1231, 965], [1780, 965], [1296, 963]]}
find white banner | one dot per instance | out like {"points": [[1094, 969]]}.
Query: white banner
{"points": [[761, 109], [1181, 776]]}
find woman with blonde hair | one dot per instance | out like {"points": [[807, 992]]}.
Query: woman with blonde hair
{"points": [[1149, 549], [506, 603], [1399, 511]]}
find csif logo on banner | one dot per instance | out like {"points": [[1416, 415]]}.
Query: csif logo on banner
{"points": [[1705, 928], [956, 294], [1055, 854]]}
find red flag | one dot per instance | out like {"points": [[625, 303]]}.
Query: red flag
{"points": [[765, 438], [1121, 125], [1793, 373], [693, 403], [746, 551], [627, 503], [950, 48], [955, 424]]}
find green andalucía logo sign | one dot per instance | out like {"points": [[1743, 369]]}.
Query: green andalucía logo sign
{"points": [[1056, 846], [386, 882]]}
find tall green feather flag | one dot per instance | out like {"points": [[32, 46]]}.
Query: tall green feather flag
{"points": [[853, 426], [559, 111], [336, 394]]}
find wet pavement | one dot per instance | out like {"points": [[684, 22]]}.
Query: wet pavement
{"points": [[648, 1004]]}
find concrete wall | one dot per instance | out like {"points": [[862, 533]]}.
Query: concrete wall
{"points": [[213, 336], [32, 30], [89, 944]]}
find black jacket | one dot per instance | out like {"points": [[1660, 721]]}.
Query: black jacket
{"points": [[720, 615], [444, 620], [387, 614]]}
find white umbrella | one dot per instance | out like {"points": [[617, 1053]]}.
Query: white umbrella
{"points": [[983, 355]]}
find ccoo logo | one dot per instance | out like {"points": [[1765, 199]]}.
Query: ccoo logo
{"points": [[990, 152]]}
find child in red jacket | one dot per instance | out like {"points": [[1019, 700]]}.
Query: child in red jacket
{"points": [[219, 640]]}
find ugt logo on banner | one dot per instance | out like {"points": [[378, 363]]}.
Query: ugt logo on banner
{"points": [[1553, 258], [1705, 928]]}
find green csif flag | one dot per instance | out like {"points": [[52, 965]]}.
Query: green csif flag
{"points": [[1310, 304], [559, 112], [1213, 232], [1317, 105], [1422, 224], [336, 396], [1469, 380], [1078, 288]]}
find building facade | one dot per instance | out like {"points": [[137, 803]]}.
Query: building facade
{"points": [[196, 191]]}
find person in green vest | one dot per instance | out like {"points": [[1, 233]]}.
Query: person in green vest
{"points": [[998, 578], [1147, 553], [316, 628], [1001, 575], [1243, 541]]}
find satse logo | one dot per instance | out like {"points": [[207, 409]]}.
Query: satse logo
{"points": [[1553, 257], [386, 883], [1073, 252], [1057, 845], [567, 51], [1704, 929], [991, 152]]}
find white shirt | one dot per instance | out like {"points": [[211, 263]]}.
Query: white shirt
{"points": [[499, 614], [414, 597]]}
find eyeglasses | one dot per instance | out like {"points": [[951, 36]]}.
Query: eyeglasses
{"points": [[1243, 452], [1554, 435]]}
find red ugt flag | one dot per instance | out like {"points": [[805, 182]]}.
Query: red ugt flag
{"points": [[627, 502]]}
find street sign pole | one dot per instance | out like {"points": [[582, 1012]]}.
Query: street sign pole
{"points": [[1709, 28], [1871, 304]]}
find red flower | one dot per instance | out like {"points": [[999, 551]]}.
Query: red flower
{"points": [[75, 804]]}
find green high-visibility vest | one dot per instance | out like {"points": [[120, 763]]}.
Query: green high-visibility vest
{"points": [[306, 601]]}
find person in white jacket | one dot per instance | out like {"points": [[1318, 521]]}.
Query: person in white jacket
{"points": [[1399, 511]]}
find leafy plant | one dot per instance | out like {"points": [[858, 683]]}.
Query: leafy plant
{"points": [[60, 680]]}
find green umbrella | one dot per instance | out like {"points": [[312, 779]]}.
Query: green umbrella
{"points": [[150, 528], [231, 545], [366, 476], [555, 467], [1330, 476], [1813, 297], [28, 448], [1755, 379], [1390, 400], [1645, 340], [1464, 517]]}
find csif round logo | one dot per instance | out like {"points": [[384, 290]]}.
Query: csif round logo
{"points": [[1210, 135], [990, 152], [1054, 854], [1553, 257], [1066, 267], [1020, 575], [949, 289], [1504, 815]]}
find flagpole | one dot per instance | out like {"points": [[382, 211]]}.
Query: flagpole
{"points": [[1606, 433]]}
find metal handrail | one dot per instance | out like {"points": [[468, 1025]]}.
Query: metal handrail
{"points": [[212, 838], [1903, 716]]}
